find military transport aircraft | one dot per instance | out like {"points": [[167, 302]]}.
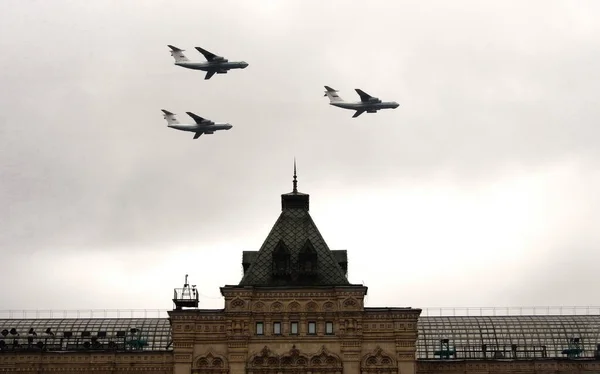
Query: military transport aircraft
{"points": [[367, 104], [202, 126], [215, 64]]}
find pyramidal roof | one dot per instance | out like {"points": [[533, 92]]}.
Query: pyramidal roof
{"points": [[294, 253]]}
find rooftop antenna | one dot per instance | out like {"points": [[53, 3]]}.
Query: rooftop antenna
{"points": [[295, 182]]}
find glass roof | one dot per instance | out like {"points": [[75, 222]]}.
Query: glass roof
{"points": [[135, 334], [508, 337], [452, 337]]}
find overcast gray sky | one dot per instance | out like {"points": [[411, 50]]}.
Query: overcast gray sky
{"points": [[481, 189]]}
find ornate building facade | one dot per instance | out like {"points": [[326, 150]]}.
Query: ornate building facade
{"points": [[294, 311]]}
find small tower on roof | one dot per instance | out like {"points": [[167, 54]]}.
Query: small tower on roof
{"points": [[294, 254]]}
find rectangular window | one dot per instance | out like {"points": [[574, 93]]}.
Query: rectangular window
{"points": [[294, 328], [329, 328], [259, 328], [312, 328], [277, 328]]}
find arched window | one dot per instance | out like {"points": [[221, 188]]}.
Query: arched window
{"points": [[281, 260], [307, 260]]}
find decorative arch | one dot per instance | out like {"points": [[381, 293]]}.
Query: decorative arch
{"points": [[263, 361], [327, 360], [378, 362], [294, 307], [329, 306], [237, 303], [277, 307], [293, 362], [351, 303], [311, 306], [294, 359], [259, 306], [211, 363]]}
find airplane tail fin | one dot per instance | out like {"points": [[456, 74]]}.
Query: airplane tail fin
{"points": [[332, 94], [178, 54], [170, 117]]}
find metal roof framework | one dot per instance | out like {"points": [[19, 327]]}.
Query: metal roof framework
{"points": [[508, 337], [465, 337], [74, 334]]}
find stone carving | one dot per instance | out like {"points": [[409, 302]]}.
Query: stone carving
{"points": [[294, 307], [259, 307], [277, 307], [312, 306], [325, 359], [291, 362], [293, 358], [265, 358], [238, 304], [378, 362], [329, 306], [351, 304], [350, 327], [210, 363]]}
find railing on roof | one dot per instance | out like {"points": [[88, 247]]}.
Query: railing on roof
{"points": [[83, 313], [427, 312], [511, 311]]}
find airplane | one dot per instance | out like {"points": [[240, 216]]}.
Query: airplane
{"points": [[202, 125], [367, 102], [214, 65]]}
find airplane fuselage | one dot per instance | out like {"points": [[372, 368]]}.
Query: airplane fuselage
{"points": [[213, 66], [200, 127], [366, 106]]}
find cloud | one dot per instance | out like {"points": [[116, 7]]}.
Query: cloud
{"points": [[494, 98]]}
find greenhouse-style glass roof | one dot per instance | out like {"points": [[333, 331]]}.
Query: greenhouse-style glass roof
{"points": [[509, 337], [123, 334], [473, 337]]}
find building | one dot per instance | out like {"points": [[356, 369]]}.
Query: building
{"points": [[294, 311]]}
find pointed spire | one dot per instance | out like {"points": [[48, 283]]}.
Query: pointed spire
{"points": [[294, 199], [295, 182]]}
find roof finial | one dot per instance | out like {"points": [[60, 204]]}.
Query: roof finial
{"points": [[295, 179]]}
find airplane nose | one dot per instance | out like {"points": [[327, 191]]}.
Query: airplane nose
{"points": [[396, 106], [244, 65]]}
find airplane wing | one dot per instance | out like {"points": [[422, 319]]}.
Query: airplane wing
{"points": [[358, 113], [208, 55], [209, 74], [363, 95], [196, 117], [175, 49], [197, 135], [166, 112]]}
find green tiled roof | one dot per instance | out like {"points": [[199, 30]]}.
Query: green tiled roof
{"points": [[294, 232]]}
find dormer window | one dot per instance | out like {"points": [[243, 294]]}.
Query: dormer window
{"points": [[307, 259], [281, 260]]}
